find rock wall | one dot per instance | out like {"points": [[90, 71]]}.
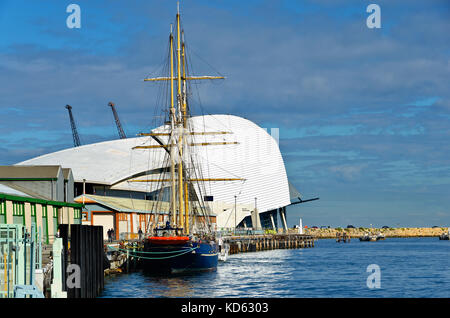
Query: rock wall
{"points": [[391, 232]]}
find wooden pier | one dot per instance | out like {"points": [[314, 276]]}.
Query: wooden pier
{"points": [[126, 262], [255, 243]]}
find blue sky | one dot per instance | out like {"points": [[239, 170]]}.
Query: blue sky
{"points": [[363, 114]]}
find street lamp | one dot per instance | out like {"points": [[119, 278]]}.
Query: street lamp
{"points": [[235, 212], [256, 217]]}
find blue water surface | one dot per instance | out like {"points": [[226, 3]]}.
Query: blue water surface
{"points": [[409, 267]]}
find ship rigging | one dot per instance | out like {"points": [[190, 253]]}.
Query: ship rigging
{"points": [[185, 241]]}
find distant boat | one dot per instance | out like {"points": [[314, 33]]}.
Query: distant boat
{"points": [[445, 236], [368, 238], [380, 237]]}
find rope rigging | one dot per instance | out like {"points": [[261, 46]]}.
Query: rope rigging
{"points": [[179, 253]]}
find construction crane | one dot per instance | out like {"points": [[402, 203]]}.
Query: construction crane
{"points": [[116, 118], [76, 138]]}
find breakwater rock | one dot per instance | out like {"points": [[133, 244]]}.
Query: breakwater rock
{"points": [[389, 232]]}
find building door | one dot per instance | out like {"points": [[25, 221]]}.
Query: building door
{"points": [[122, 223], [103, 219]]}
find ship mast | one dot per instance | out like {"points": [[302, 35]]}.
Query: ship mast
{"points": [[181, 111], [178, 141], [184, 113], [172, 137]]}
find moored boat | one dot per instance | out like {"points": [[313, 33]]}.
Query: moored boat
{"points": [[171, 253], [181, 236], [380, 237], [368, 238], [445, 236]]}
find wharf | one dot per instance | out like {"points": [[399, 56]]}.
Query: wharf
{"points": [[255, 243], [122, 261], [116, 258]]}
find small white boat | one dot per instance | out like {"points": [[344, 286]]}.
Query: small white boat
{"points": [[380, 237], [223, 252], [445, 236], [368, 238]]}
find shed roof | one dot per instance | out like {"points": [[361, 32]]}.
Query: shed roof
{"points": [[10, 190], [32, 173], [25, 191], [122, 204], [125, 204], [67, 172]]}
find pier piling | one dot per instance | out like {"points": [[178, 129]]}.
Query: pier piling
{"points": [[255, 243]]}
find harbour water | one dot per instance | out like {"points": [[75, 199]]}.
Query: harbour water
{"points": [[409, 267]]}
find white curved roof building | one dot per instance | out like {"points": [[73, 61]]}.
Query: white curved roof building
{"points": [[251, 153]]}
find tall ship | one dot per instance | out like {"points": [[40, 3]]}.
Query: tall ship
{"points": [[182, 239]]}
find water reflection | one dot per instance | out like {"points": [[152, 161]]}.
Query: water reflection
{"points": [[175, 285], [327, 270]]}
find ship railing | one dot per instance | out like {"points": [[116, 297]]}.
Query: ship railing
{"points": [[130, 236], [239, 232]]}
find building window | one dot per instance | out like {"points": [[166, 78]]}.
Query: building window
{"points": [[76, 213], [3, 211], [56, 220], [55, 212], [45, 223], [18, 208], [33, 209], [18, 212]]}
